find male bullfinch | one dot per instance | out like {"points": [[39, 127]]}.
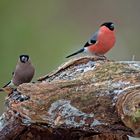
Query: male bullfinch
{"points": [[100, 42]]}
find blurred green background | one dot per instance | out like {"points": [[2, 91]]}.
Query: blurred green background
{"points": [[48, 30]]}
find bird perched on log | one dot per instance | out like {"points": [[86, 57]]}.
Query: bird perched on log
{"points": [[23, 73], [100, 42]]}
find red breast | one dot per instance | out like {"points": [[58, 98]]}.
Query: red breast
{"points": [[105, 41]]}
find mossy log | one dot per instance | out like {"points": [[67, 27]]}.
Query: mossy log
{"points": [[85, 99]]}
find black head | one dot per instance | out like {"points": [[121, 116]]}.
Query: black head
{"points": [[109, 25], [24, 58]]}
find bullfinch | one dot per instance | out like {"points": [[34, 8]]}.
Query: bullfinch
{"points": [[100, 42]]}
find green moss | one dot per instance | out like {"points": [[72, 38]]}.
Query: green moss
{"points": [[136, 117], [109, 69]]}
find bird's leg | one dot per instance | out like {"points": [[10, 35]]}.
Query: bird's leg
{"points": [[101, 57]]}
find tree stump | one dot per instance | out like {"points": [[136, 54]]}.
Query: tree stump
{"points": [[84, 99]]}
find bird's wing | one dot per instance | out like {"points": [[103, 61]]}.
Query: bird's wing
{"points": [[92, 40]]}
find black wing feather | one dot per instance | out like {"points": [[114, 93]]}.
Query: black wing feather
{"points": [[92, 40]]}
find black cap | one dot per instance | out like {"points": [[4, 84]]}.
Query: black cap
{"points": [[109, 25]]}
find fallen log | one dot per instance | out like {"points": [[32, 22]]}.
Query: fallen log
{"points": [[86, 98]]}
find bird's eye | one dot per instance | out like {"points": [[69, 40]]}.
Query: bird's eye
{"points": [[111, 26]]}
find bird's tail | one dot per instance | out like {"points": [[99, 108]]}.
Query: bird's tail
{"points": [[1, 90], [7, 84], [80, 51]]}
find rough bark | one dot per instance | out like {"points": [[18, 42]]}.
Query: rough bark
{"points": [[84, 99]]}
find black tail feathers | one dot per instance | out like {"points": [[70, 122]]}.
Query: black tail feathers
{"points": [[80, 51], [6, 84], [1, 90]]}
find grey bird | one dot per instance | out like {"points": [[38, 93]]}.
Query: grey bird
{"points": [[23, 73]]}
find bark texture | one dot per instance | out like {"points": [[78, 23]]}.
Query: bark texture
{"points": [[84, 99]]}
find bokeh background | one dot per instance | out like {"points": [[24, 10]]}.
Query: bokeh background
{"points": [[48, 30]]}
